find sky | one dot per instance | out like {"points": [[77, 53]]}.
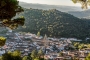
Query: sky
{"points": [[52, 2]]}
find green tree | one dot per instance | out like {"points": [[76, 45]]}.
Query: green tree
{"points": [[40, 52], [36, 59], [81, 46], [84, 3], [34, 54], [12, 56], [61, 54], [38, 34], [6, 56], [25, 58], [0, 57], [2, 41], [16, 53], [41, 55], [88, 57], [76, 44], [8, 9], [29, 56]]}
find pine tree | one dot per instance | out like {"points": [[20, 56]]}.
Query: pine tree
{"points": [[84, 3], [9, 9]]}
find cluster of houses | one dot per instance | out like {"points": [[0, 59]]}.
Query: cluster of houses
{"points": [[51, 47]]}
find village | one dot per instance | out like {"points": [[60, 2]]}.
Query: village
{"points": [[51, 47]]}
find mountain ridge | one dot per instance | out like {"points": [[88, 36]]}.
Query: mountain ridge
{"points": [[76, 11], [55, 23], [47, 7], [81, 14]]}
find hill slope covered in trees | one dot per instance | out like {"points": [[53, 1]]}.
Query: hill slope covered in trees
{"points": [[55, 23]]}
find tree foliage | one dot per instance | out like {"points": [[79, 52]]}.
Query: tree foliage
{"points": [[9, 9], [12, 56], [88, 57], [25, 58], [36, 55], [2, 41], [61, 54], [84, 3], [38, 34]]}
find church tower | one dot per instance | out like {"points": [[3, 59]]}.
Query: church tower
{"points": [[45, 40]]}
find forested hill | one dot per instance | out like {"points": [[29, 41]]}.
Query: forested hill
{"points": [[55, 23]]}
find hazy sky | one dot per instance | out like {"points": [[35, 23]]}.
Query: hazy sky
{"points": [[52, 2]]}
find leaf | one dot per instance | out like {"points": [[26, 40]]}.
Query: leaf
{"points": [[3, 3], [2, 41]]}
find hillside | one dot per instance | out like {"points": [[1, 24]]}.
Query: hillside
{"points": [[55, 23], [46, 7]]}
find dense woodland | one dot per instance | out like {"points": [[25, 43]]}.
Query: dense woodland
{"points": [[55, 23], [16, 55]]}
